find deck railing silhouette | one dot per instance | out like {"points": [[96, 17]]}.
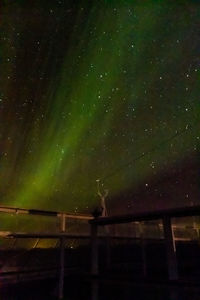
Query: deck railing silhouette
{"points": [[61, 235], [164, 224], [165, 216]]}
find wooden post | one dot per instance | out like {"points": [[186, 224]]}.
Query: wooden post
{"points": [[94, 250], [170, 249], [62, 258]]}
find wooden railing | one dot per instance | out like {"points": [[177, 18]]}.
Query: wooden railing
{"points": [[166, 218]]}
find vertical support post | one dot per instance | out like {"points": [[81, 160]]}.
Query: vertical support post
{"points": [[94, 290], [170, 249], [62, 267], [195, 226], [175, 293], [107, 246], [108, 252], [143, 246], [94, 250], [62, 257], [62, 223]]}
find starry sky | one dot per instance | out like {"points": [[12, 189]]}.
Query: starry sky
{"points": [[97, 90]]}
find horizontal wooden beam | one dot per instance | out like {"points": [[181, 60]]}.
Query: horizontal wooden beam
{"points": [[48, 213], [148, 216], [42, 235], [23, 235]]}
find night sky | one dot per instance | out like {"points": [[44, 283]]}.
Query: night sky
{"points": [[98, 90]]}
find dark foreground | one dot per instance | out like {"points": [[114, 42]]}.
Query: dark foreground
{"points": [[124, 280], [76, 289]]}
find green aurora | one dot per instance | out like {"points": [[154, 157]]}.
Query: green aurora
{"points": [[86, 88]]}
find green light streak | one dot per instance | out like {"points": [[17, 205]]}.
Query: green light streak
{"points": [[94, 113]]}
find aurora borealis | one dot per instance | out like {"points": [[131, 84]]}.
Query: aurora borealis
{"points": [[88, 86]]}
